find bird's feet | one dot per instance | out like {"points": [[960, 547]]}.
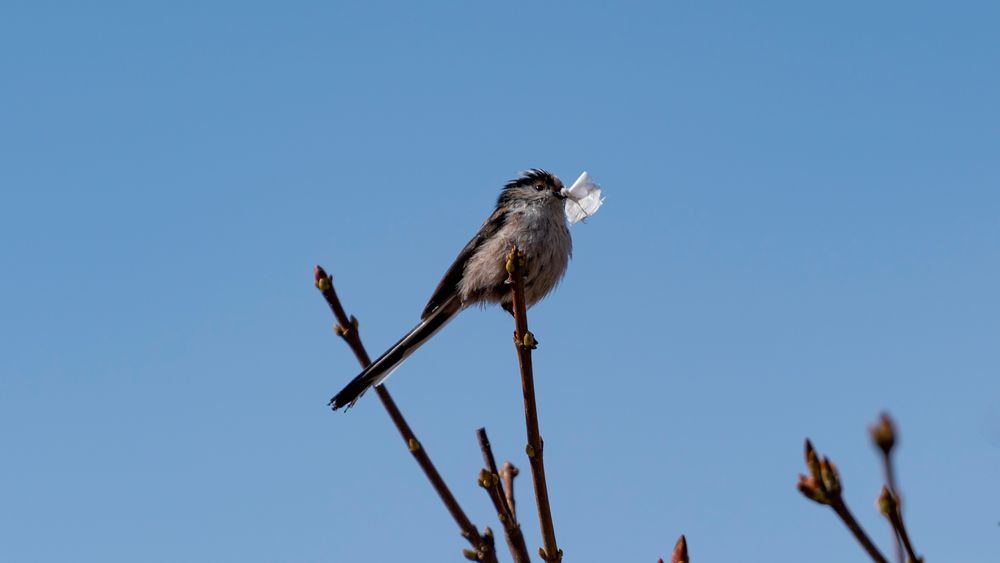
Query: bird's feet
{"points": [[528, 340]]}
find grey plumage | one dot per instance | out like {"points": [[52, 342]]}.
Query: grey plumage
{"points": [[529, 214]]}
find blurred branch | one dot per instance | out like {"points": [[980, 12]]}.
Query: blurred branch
{"points": [[823, 486], [889, 507], [883, 435], [489, 479], [347, 328], [525, 343]]}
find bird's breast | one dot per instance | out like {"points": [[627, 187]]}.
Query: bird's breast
{"points": [[545, 241], [547, 245]]}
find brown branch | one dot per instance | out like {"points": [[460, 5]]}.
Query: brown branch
{"points": [[508, 472], [348, 330], [840, 507], [487, 449], [823, 486], [889, 506], [489, 479], [905, 536], [525, 343], [883, 435], [890, 482]]}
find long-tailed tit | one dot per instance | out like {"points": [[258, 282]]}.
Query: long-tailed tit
{"points": [[529, 214]]}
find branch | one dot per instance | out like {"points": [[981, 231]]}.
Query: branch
{"points": [[525, 343], [840, 507], [883, 435], [489, 479], [889, 506], [823, 486], [508, 472], [348, 330]]}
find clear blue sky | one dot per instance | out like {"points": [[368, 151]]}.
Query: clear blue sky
{"points": [[802, 228]]}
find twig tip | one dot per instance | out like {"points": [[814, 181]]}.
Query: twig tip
{"points": [[680, 554], [883, 433]]}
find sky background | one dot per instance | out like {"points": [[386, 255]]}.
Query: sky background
{"points": [[802, 228]]}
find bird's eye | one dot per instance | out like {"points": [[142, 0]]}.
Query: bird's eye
{"points": [[539, 187]]}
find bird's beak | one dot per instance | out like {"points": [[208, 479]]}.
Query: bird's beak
{"points": [[561, 193]]}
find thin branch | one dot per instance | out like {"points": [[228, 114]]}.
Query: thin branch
{"points": [[889, 506], [487, 449], [889, 472], [489, 479], [883, 435], [905, 536], [348, 330], [890, 481], [507, 473], [823, 486], [840, 507], [525, 343]]}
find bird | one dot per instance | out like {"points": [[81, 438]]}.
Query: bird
{"points": [[529, 214]]}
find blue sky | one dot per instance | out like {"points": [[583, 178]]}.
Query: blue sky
{"points": [[801, 230]]}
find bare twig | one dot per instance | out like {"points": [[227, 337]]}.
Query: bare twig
{"points": [[487, 449], [823, 486], [348, 330], [889, 506], [489, 479], [525, 343], [840, 507], [507, 473], [883, 435]]}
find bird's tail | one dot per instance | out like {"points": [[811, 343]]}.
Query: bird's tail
{"points": [[383, 367]]}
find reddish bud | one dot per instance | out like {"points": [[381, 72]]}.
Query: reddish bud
{"points": [[322, 279], [320, 272], [812, 460], [887, 503], [680, 554], [508, 467], [831, 477], [883, 433], [812, 490]]}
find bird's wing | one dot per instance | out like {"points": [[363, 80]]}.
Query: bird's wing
{"points": [[449, 283]]}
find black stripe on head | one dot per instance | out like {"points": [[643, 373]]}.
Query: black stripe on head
{"points": [[529, 179], [532, 177]]}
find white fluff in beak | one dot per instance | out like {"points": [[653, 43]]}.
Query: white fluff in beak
{"points": [[583, 198]]}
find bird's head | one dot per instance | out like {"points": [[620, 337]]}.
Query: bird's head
{"points": [[533, 187]]}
